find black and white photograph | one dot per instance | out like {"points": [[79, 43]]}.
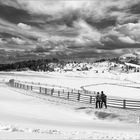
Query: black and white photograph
{"points": [[69, 69]]}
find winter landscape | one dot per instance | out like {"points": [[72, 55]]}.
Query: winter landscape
{"points": [[29, 115], [55, 56]]}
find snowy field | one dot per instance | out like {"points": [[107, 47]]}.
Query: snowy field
{"points": [[27, 115], [117, 85]]}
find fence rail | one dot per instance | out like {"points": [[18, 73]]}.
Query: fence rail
{"points": [[68, 89], [75, 95]]}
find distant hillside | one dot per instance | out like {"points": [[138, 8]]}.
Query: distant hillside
{"points": [[35, 65], [133, 58], [124, 63]]}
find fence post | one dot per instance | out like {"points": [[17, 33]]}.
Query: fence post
{"points": [[59, 93], [124, 104], [31, 87], [52, 90], [72, 90], [45, 90], [78, 97], [68, 95], [40, 89], [90, 100]]}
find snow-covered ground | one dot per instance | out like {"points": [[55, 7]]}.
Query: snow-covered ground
{"points": [[113, 84], [116, 90], [27, 115]]}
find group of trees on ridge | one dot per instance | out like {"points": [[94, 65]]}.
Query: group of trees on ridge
{"points": [[35, 65]]}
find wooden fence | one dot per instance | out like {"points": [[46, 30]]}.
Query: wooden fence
{"points": [[68, 89], [75, 96]]}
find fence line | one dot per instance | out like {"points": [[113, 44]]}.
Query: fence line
{"points": [[58, 86], [75, 95]]}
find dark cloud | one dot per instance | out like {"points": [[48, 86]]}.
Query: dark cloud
{"points": [[65, 19], [75, 47], [13, 15], [135, 9], [113, 43], [68, 33], [69, 18], [6, 35], [17, 55], [70, 28], [41, 49], [101, 24], [93, 54]]}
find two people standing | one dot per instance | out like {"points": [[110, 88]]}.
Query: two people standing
{"points": [[101, 99]]}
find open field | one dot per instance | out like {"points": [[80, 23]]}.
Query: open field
{"points": [[28, 115]]}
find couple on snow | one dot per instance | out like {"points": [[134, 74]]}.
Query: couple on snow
{"points": [[101, 99]]}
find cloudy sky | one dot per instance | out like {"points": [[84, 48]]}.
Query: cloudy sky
{"points": [[70, 28]]}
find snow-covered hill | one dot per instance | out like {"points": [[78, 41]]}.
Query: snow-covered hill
{"points": [[25, 115]]}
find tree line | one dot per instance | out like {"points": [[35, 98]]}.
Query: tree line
{"points": [[35, 65]]}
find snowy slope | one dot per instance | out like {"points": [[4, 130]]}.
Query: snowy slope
{"points": [[22, 115], [29, 115]]}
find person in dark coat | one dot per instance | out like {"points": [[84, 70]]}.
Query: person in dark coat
{"points": [[103, 99], [98, 100]]}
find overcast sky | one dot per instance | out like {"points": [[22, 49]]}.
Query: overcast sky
{"points": [[81, 28]]}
